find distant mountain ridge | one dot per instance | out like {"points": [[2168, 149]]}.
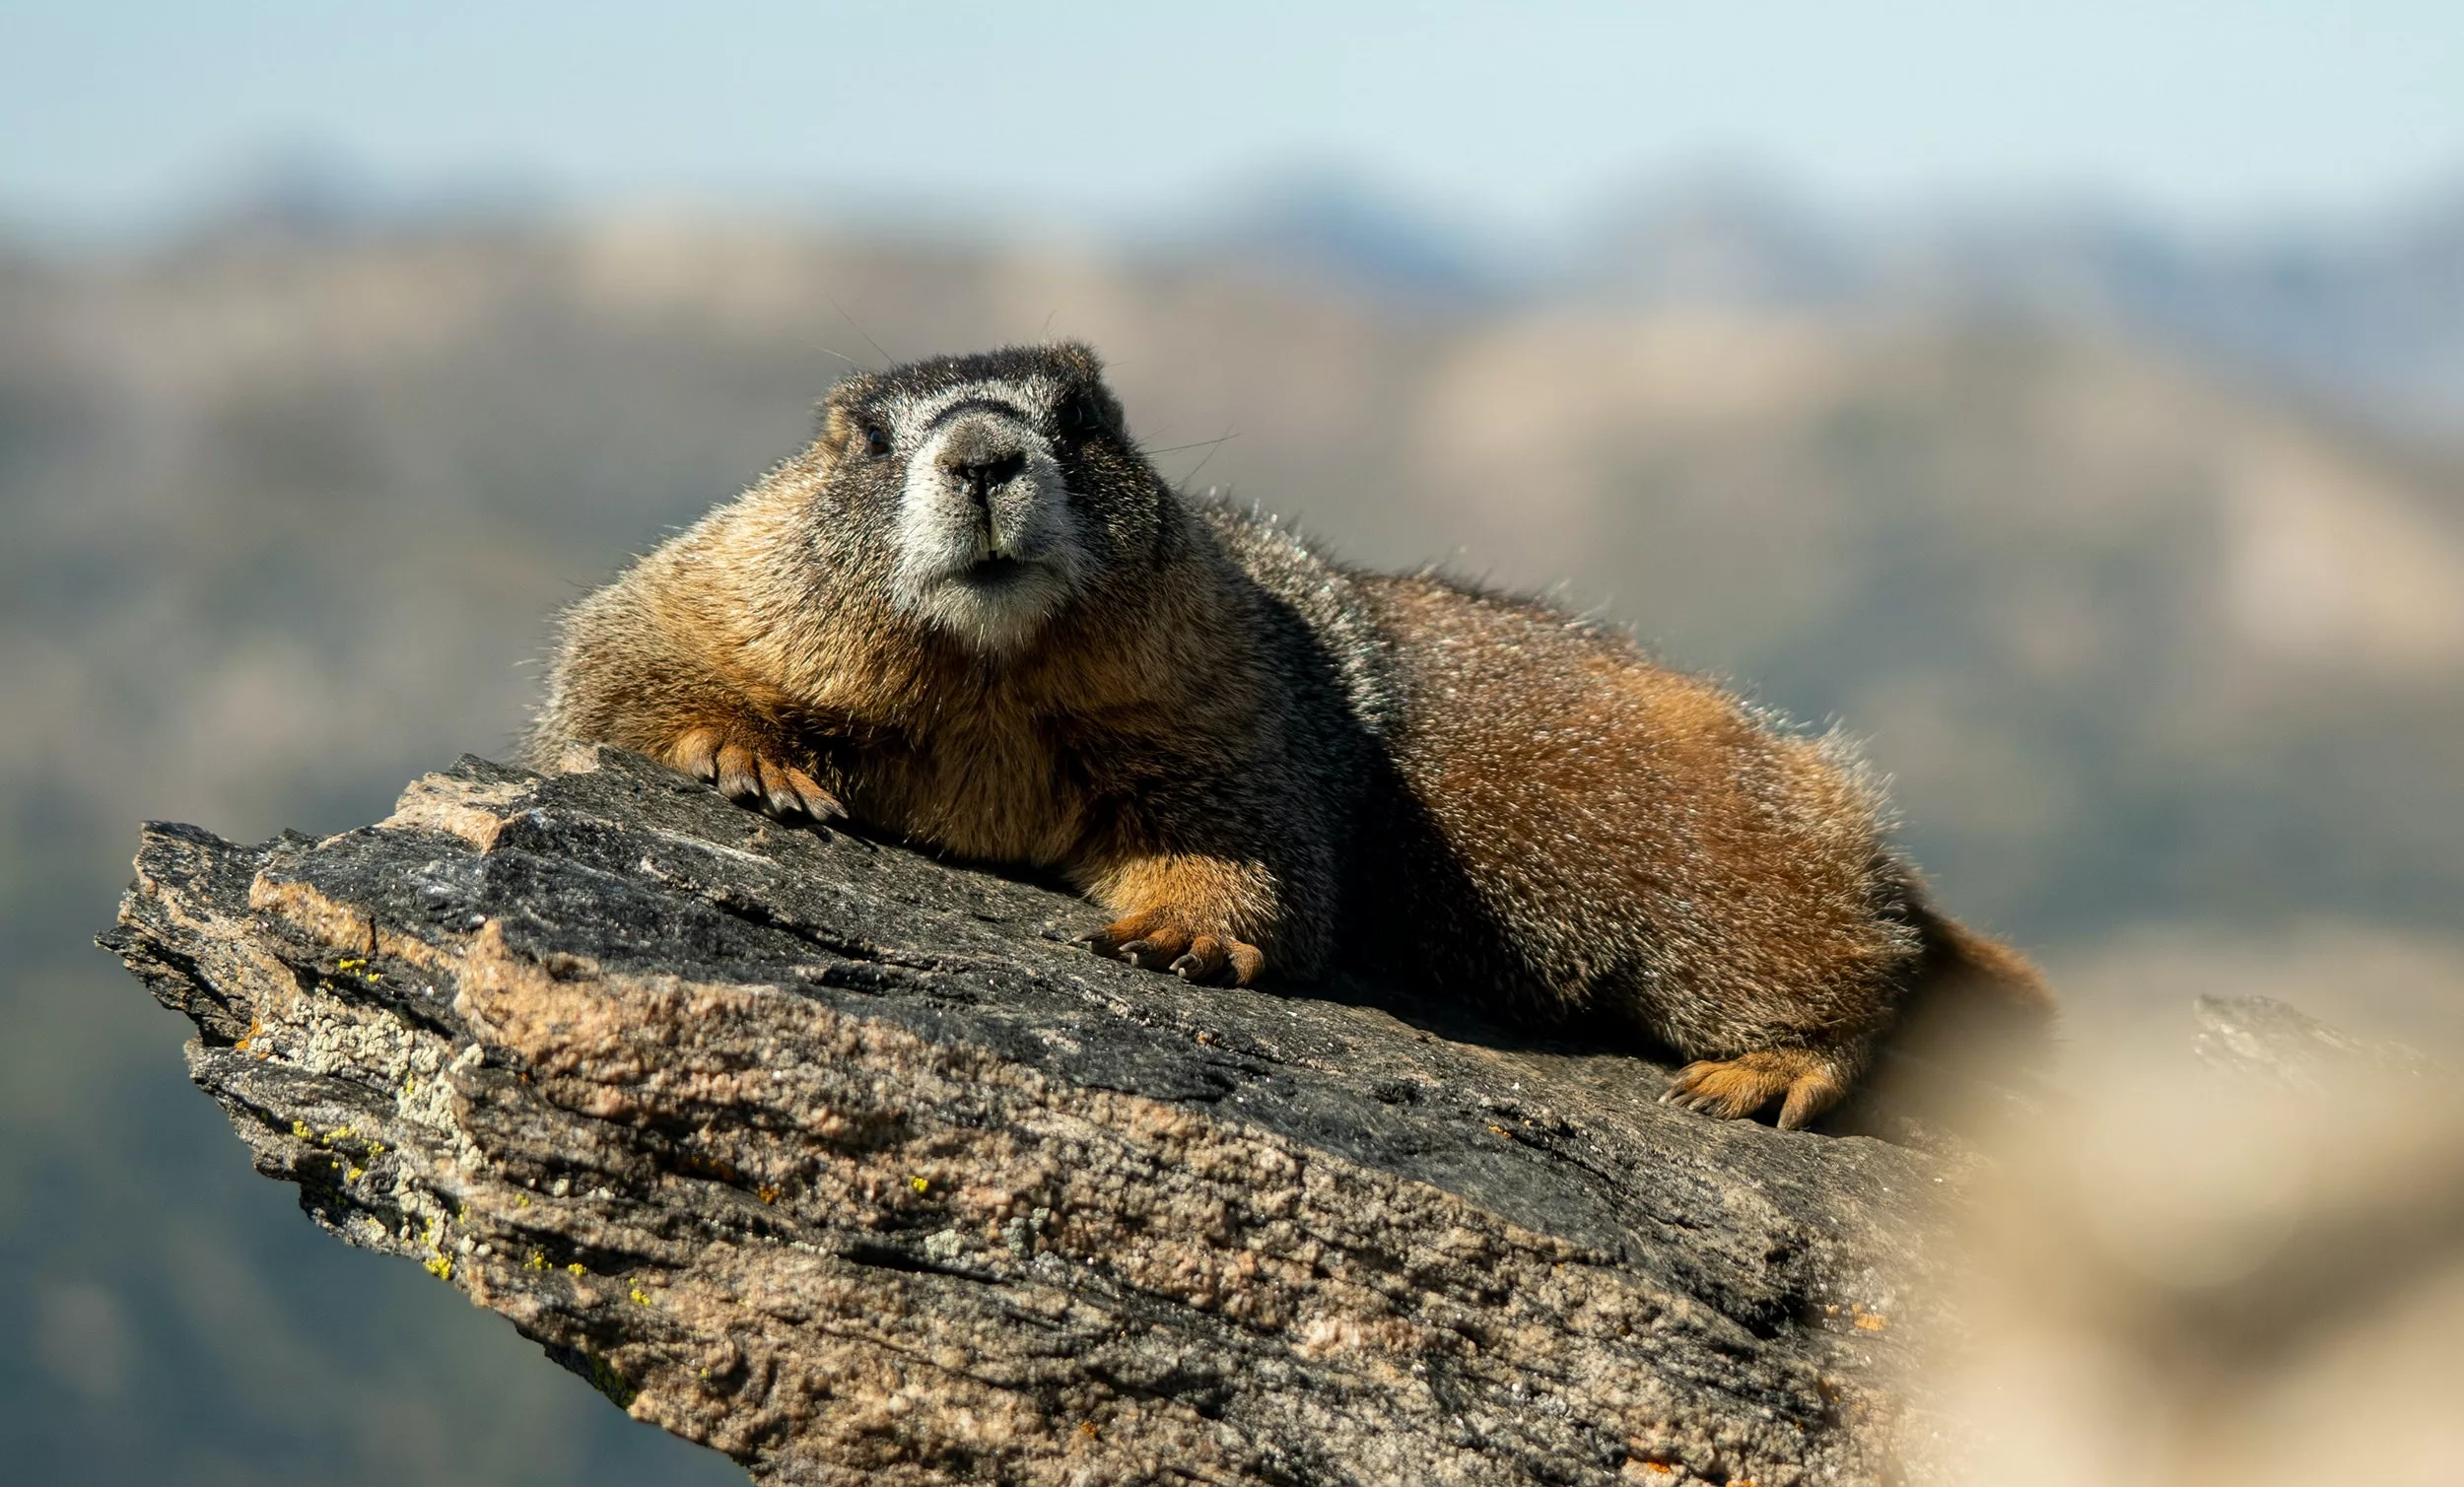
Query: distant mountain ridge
{"points": [[2365, 313]]}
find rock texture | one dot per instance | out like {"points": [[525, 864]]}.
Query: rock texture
{"points": [[843, 1162]]}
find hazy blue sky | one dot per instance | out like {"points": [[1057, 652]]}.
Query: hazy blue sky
{"points": [[2203, 108]]}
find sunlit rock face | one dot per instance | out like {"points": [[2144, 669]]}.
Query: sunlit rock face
{"points": [[847, 1164]]}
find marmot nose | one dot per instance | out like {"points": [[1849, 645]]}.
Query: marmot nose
{"points": [[981, 472]]}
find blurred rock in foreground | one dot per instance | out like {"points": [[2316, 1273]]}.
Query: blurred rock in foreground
{"points": [[2237, 1260], [843, 1162]]}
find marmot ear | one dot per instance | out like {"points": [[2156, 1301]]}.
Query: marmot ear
{"points": [[843, 395], [840, 429], [1079, 358]]}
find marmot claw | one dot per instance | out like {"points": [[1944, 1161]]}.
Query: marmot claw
{"points": [[749, 779], [1158, 939], [1733, 1088]]}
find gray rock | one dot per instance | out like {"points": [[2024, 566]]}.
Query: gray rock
{"points": [[843, 1162], [2262, 1038]]}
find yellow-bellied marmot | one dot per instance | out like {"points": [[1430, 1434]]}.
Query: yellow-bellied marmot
{"points": [[972, 614]]}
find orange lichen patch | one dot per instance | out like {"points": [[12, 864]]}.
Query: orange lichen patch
{"points": [[1870, 1321], [696, 1163]]}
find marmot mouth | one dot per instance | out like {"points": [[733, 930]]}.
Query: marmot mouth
{"points": [[997, 570]]}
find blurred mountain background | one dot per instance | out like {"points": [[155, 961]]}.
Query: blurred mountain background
{"points": [[2131, 542]]}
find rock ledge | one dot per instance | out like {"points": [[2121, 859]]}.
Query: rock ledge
{"points": [[843, 1162]]}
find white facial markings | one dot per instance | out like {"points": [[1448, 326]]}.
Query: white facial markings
{"points": [[1034, 397], [988, 542]]}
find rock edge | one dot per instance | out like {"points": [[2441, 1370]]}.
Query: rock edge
{"points": [[843, 1162]]}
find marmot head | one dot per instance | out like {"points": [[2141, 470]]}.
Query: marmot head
{"points": [[987, 492]]}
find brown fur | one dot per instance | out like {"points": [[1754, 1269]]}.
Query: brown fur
{"points": [[1257, 758]]}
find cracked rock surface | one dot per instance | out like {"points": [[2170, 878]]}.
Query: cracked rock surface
{"points": [[841, 1161]]}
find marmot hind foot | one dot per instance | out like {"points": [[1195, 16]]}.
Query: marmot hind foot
{"points": [[1162, 939], [1734, 1088]]}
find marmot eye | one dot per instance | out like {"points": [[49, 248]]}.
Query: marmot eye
{"points": [[876, 441], [1082, 415]]}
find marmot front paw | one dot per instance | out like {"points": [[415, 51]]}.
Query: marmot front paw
{"points": [[1163, 939], [749, 778]]}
